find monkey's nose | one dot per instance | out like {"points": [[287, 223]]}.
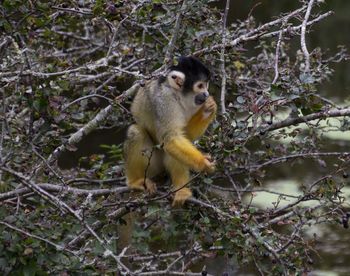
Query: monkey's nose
{"points": [[201, 98]]}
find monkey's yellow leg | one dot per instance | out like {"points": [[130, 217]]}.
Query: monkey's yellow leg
{"points": [[198, 124], [140, 164], [181, 149], [180, 176]]}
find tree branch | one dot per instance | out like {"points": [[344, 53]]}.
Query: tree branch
{"points": [[63, 189], [319, 115], [222, 57], [302, 36], [176, 31]]}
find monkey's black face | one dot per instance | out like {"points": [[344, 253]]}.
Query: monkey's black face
{"points": [[191, 78], [199, 99], [200, 89], [193, 69]]}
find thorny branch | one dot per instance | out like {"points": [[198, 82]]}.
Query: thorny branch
{"points": [[57, 246], [65, 209]]}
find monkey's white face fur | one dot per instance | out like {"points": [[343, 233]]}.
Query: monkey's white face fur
{"points": [[192, 100], [176, 80]]}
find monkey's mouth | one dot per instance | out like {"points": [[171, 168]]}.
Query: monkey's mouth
{"points": [[200, 98]]}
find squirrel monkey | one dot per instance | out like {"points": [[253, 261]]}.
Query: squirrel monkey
{"points": [[171, 111]]}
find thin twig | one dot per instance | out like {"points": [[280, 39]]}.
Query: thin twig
{"points": [[75, 10], [116, 29], [57, 246], [253, 34], [295, 29], [3, 121], [115, 215], [171, 46], [298, 155], [222, 57], [86, 97], [90, 126], [65, 209], [302, 36], [278, 46]]}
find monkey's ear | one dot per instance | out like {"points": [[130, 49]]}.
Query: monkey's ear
{"points": [[176, 79]]}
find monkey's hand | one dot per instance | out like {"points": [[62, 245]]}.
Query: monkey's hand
{"points": [[209, 107], [209, 164]]}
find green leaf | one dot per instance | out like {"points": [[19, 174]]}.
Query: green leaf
{"points": [[3, 263], [64, 84], [208, 181], [306, 78], [98, 8], [40, 104], [29, 269], [306, 111]]}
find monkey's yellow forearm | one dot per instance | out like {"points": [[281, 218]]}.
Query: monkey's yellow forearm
{"points": [[183, 150], [198, 124]]}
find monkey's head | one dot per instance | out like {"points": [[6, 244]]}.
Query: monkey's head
{"points": [[191, 78]]}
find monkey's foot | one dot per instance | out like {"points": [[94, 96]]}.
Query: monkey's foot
{"points": [[144, 184], [150, 186], [181, 196]]}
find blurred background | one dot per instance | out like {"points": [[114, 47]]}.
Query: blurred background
{"points": [[333, 241]]}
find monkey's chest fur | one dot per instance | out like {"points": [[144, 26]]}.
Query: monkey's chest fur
{"points": [[157, 108]]}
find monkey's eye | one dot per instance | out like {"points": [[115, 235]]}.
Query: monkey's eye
{"points": [[173, 77], [200, 86]]}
